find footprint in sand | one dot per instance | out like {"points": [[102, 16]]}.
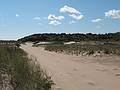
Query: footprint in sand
{"points": [[58, 88], [68, 73], [103, 70], [116, 69], [91, 83], [118, 74], [75, 69]]}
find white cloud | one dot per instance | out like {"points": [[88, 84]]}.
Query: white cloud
{"points": [[36, 18], [17, 15], [70, 10], [97, 20], [75, 14], [77, 17], [71, 22], [115, 14], [53, 17], [55, 20]]}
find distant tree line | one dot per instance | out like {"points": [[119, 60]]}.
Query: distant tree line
{"points": [[72, 37], [7, 42], [10, 42]]}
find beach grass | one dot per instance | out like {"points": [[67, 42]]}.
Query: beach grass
{"points": [[18, 72], [85, 49]]}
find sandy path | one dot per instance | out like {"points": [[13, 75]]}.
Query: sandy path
{"points": [[74, 73]]}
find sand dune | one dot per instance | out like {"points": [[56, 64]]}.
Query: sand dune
{"points": [[76, 72]]}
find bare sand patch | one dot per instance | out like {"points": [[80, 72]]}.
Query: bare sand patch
{"points": [[77, 72]]}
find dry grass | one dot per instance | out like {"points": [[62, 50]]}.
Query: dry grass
{"points": [[86, 49], [17, 72]]}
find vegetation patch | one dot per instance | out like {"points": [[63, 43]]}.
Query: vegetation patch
{"points": [[17, 72], [77, 37], [85, 49]]}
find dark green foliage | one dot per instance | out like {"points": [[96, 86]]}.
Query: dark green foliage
{"points": [[72, 37], [24, 73]]}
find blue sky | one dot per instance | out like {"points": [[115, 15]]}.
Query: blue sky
{"points": [[23, 17]]}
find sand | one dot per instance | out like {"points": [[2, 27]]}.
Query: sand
{"points": [[77, 72]]}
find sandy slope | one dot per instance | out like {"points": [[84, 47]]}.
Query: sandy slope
{"points": [[76, 72]]}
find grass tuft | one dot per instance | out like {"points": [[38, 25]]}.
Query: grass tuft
{"points": [[86, 49], [18, 72]]}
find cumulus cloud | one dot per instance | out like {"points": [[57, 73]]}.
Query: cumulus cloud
{"points": [[75, 14], [97, 20], [53, 17], [76, 17], [115, 14], [69, 10], [36, 18], [55, 20]]}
